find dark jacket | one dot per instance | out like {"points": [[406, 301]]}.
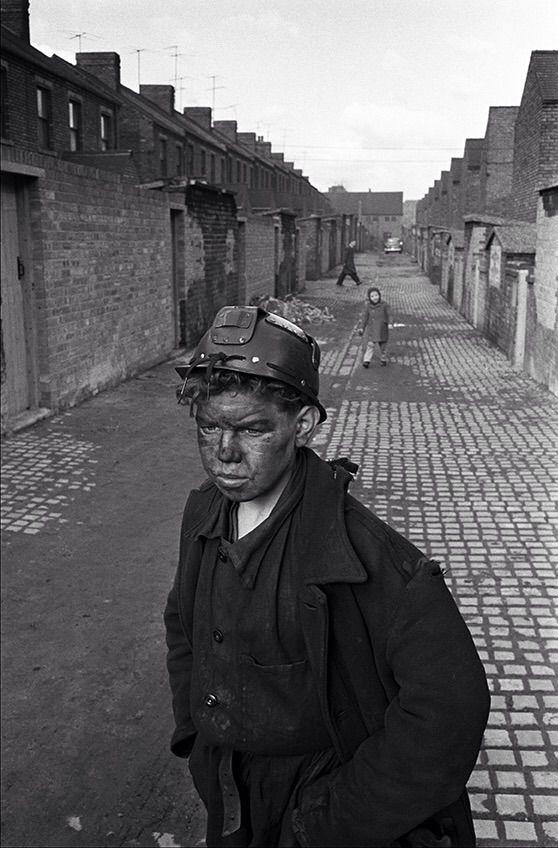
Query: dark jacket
{"points": [[401, 686], [374, 322], [349, 259]]}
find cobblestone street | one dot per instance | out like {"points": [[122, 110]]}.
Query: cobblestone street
{"points": [[456, 450]]}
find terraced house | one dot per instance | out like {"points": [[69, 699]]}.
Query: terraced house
{"points": [[126, 224]]}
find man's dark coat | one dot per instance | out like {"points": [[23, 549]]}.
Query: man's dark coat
{"points": [[401, 686], [349, 259]]}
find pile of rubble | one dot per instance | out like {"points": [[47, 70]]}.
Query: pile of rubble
{"points": [[294, 309]]}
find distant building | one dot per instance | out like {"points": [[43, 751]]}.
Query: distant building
{"points": [[380, 213]]}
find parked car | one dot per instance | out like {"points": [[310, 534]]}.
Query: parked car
{"points": [[393, 245]]}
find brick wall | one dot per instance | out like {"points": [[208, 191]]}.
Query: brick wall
{"points": [[541, 349], [212, 278], [470, 175], [474, 282], [501, 299], [497, 159], [300, 257], [102, 271], [309, 243], [536, 142], [21, 108], [259, 257], [286, 259]]}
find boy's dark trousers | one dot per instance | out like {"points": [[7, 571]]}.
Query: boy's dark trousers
{"points": [[348, 272]]}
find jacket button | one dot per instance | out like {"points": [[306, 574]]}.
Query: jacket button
{"points": [[218, 636], [222, 555], [211, 701]]}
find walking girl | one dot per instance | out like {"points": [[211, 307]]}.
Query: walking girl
{"points": [[374, 326]]}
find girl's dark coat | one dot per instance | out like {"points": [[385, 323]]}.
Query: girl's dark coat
{"points": [[374, 322], [401, 686]]}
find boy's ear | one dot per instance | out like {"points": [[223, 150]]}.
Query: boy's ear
{"points": [[307, 420]]}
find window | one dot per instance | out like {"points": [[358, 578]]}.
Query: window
{"points": [[190, 160], [212, 168], [244, 173], [44, 114], [4, 104], [179, 160], [223, 169], [238, 170], [74, 123], [107, 142], [203, 167], [163, 156]]}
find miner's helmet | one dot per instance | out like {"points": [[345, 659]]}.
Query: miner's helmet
{"points": [[252, 341]]}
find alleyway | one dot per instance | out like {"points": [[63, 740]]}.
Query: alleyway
{"points": [[456, 450]]}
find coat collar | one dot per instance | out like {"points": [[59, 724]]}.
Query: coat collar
{"points": [[326, 554]]}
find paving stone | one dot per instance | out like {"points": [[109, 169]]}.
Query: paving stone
{"points": [[520, 831], [486, 829], [545, 805], [550, 829], [510, 780], [545, 779], [511, 805]]}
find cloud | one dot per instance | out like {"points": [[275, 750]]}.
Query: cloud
{"points": [[398, 126]]}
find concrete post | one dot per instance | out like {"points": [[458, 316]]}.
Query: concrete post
{"points": [[520, 319]]}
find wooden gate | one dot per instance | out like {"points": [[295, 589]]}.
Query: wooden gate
{"points": [[18, 365]]}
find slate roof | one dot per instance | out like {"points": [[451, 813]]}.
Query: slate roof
{"points": [[55, 65], [544, 63], [373, 202], [516, 238]]}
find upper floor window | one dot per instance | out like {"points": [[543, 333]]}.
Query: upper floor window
{"points": [[44, 117], [190, 160], [238, 170], [212, 168], [163, 156], [179, 160], [223, 169], [244, 173], [74, 124], [203, 167], [107, 131]]}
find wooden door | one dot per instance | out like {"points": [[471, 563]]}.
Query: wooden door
{"points": [[16, 388]]}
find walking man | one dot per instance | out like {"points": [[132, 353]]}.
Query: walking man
{"points": [[349, 269], [325, 687]]}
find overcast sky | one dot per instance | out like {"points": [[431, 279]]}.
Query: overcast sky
{"points": [[368, 93]]}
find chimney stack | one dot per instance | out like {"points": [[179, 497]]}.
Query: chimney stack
{"points": [[104, 66], [15, 17], [200, 115], [161, 95]]}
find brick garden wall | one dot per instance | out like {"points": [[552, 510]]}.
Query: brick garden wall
{"points": [[541, 348], [103, 281], [259, 257], [500, 316], [212, 253], [286, 259], [309, 242]]}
